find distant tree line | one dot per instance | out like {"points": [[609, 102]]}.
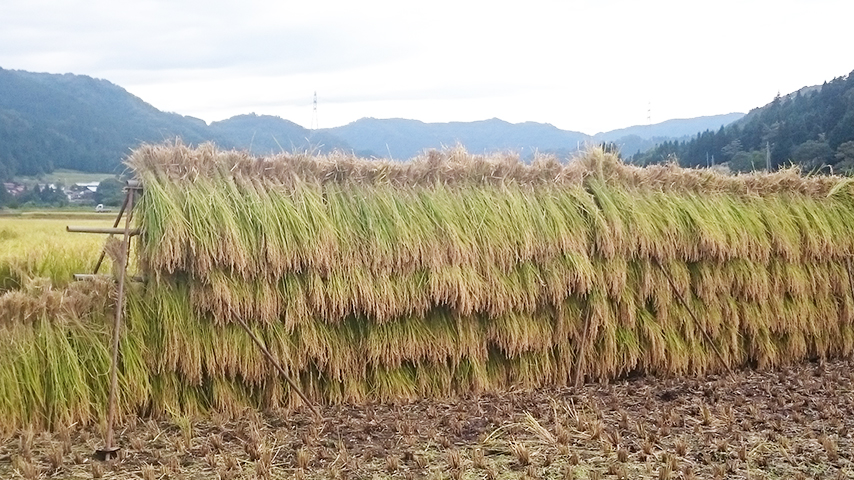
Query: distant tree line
{"points": [[110, 192], [36, 196], [814, 129]]}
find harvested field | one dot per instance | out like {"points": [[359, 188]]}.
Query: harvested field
{"points": [[386, 288], [797, 422]]}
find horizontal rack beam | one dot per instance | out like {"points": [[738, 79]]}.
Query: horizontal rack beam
{"points": [[108, 231], [91, 276]]}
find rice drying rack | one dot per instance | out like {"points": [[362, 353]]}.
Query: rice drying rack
{"points": [[133, 189]]}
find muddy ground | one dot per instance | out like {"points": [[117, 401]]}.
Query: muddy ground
{"points": [[791, 423]]}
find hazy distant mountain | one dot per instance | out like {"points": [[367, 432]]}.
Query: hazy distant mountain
{"points": [[266, 134], [642, 138], [401, 138], [675, 128]]}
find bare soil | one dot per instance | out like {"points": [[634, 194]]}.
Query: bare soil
{"points": [[792, 423]]}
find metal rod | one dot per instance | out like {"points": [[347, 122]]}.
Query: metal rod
{"points": [[109, 231], [115, 224], [281, 370], [694, 317], [111, 412]]}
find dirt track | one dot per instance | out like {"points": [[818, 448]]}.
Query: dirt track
{"points": [[792, 423]]}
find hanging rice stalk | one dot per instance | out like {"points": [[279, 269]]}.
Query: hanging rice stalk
{"points": [[450, 272]]}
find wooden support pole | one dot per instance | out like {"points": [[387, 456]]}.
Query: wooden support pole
{"points": [[278, 367], [93, 276], [850, 278], [579, 362], [109, 448], [850, 282], [694, 317]]}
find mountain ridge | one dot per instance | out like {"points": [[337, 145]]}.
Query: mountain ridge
{"points": [[50, 121], [673, 128], [404, 138]]}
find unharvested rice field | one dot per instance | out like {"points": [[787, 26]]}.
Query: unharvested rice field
{"points": [[455, 316], [36, 249]]}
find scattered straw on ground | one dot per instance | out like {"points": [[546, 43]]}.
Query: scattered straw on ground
{"points": [[793, 423]]}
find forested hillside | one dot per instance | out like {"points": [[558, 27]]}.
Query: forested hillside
{"points": [[73, 121], [813, 128], [78, 122]]}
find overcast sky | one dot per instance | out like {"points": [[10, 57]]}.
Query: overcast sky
{"points": [[588, 66]]}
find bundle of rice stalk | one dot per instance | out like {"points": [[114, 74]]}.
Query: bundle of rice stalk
{"points": [[374, 279]]}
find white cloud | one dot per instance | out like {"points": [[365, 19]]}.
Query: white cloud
{"points": [[582, 65]]}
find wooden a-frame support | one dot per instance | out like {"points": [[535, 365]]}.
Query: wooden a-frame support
{"points": [[133, 187]]}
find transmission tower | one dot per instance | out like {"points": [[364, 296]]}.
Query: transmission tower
{"points": [[314, 123], [649, 113]]}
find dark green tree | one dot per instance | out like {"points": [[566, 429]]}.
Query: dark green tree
{"points": [[110, 192], [812, 154], [845, 158], [743, 162]]}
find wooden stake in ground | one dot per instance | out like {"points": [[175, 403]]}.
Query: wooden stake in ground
{"points": [[579, 362], [850, 278], [109, 449]]}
